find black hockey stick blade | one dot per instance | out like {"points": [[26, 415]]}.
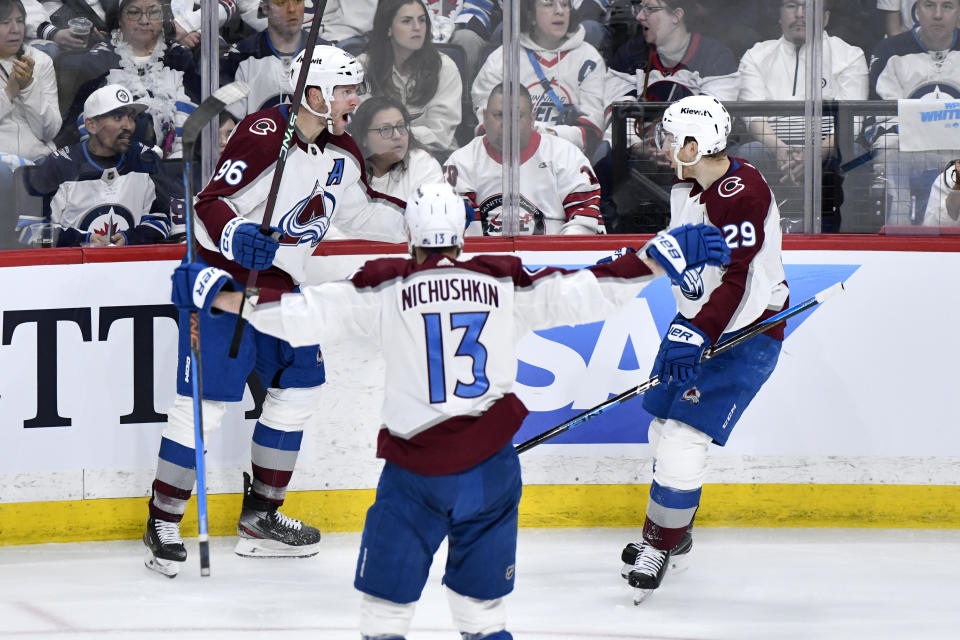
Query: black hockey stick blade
{"points": [[646, 385]]}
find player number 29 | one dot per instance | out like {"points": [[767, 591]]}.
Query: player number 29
{"points": [[231, 171], [472, 323], [742, 235]]}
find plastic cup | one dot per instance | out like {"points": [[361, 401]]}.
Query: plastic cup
{"points": [[43, 235], [80, 27]]}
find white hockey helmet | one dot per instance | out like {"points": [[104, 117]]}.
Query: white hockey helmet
{"points": [[330, 67], [702, 118], [435, 217]]}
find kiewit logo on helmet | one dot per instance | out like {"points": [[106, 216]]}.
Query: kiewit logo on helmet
{"points": [[696, 112]]}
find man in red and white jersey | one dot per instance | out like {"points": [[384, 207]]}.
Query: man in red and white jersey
{"points": [[448, 330], [697, 404], [559, 192], [323, 188]]}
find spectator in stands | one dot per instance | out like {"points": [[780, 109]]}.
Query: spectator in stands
{"points": [[263, 59], [396, 164], [478, 24], [897, 16], [29, 111], [563, 73], [665, 61], [107, 188], [559, 193], [943, 205], [402, 62], [186, 19], [162, 76], [776, 70], [47, 23], [923, 63]]}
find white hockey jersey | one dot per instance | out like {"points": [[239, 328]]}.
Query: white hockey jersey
{"points": [[559, 192], [752, 287], [448, 331], [256, 62], [776, 70], [402, 181], [936, 214], [575, 73], [323, 187], [903, 67]]}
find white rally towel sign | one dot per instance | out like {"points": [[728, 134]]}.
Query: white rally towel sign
{"points": [[929, 125]]}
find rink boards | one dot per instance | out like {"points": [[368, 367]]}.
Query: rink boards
{"points": [[857, 426]]}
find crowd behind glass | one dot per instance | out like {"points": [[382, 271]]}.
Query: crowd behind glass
{"points": [[433, 107]]}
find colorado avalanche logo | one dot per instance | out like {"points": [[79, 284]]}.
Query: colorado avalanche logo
{"points": [[730, 187], [692, 286], [691, 395], [106, 220], [263, 127], [309, 219]]}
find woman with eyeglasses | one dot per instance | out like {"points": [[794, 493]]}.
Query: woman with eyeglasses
{"points": [[402, 62], [162, 75], [563, 73], [396, 163], [666, 61]]}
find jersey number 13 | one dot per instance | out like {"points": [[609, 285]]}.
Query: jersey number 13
{"points": [[472, 324]]}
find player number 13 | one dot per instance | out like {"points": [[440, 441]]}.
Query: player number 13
{"points": [[472, 323]]}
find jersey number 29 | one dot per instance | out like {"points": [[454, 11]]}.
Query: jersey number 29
{"points": [[472, 323]]}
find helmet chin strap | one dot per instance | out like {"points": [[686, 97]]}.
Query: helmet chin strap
{"points": [[681, 164], [328, 100]]}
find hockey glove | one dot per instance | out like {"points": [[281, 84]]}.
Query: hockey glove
{"points": [[242, 242], [619, 253], [195, 285], [688, 247], [680, 351]]}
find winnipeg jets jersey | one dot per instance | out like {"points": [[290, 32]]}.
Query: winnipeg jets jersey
{"points": [[324, 186], [638, 73], [448, 331], [88, 197], [256, 62], [556, 184], [740, 204], [903, 67]]}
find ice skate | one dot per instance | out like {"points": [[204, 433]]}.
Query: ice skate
{"points": [[165, 550], [679, 560], [648, 571], [266, 533]]}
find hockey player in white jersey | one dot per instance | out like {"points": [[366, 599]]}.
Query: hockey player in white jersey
{"points": [[559, 192], [324, 186], [697, 404], [448, 330]]}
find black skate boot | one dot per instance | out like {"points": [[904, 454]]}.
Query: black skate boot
{"points": [[165, 550], [678, 555], [266, 533], [648, 571]]}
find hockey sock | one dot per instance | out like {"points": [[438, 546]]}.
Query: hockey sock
{"points": [[176, 475], [669, 514], [274, 455]]}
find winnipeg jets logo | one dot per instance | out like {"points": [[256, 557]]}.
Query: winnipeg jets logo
{"points": [[309, 219], [107, 220], [692, 285], [730, 187]]}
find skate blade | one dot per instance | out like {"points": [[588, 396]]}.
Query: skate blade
{"points": [[167, 568], [639, 595], [679, 564], [257, 548]]}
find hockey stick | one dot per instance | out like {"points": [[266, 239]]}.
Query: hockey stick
{"points": [[298, 96], [202, 115], [716, 350]]}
